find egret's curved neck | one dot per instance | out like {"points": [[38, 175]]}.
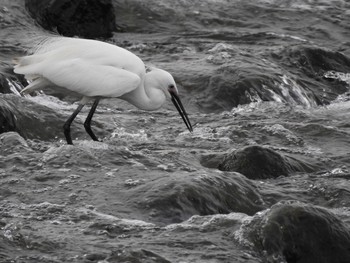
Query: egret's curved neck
{"points": [[146, 97]]}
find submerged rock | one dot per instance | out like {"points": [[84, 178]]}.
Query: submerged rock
{"points": [[296, 232], [85, 18], [257, 162], [175, 199]]}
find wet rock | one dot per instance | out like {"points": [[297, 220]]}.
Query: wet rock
{"points": [[85, 18], [242, 82], [240, 79], [296, 232], [175, 199], [225, 91], [257, 162], [32, 120], [311, 64], [36, 121]]}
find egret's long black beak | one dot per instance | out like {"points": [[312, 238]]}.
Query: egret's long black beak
{"points": [[177, 102]]}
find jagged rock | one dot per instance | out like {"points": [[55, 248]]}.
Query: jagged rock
{"points": [[84, 18], [10, 82]]}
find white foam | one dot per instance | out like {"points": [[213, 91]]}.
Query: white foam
{"points": [[342, 76], [210, 221], [120, 132], [119, 221]]}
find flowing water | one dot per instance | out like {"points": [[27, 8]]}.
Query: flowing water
{"points": [[271, 74]]}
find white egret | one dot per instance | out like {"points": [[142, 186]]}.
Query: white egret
{"points": [[96, 70]]}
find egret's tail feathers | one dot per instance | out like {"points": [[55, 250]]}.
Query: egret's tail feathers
{"points": [[30, 71], [20, 61], [31, 59], [28, 63], [37, 84]]}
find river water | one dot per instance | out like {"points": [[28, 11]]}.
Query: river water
{"points": [[259, 79]]}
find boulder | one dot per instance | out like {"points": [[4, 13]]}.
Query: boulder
{"points": [[84, 18], [294, 232], [257, 162], [175, 199]]}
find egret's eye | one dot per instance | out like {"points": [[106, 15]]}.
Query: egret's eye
{"points": [[171, 87]]}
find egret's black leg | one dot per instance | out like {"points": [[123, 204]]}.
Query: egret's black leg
{"points": [[66, 126], [87, 123]]}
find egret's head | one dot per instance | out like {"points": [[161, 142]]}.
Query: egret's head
{"points": [[164, 80]]}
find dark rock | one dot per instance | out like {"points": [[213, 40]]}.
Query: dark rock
{"points": [[84, 18], [95, 257], [7, 118], [298, 233], [229, 86], [175, 199], [256, 162], [225, 92], [4, 85], [136, 256], [317, 61], [9, 82]]}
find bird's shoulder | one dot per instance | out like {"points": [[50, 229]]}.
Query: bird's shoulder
{"points": [[92, 52]]}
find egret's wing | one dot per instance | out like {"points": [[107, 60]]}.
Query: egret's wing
{"points": [[84, 77]]}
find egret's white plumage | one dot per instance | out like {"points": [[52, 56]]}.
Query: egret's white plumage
{"points": [[94, 70]]}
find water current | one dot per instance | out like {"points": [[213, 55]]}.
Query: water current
{"points": [[264, 177]]}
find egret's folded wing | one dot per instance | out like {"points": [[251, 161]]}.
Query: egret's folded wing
{"points": [[89, 79]]}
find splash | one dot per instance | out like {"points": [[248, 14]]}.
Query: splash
{"points": [[293, 93], [140, 136]]}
